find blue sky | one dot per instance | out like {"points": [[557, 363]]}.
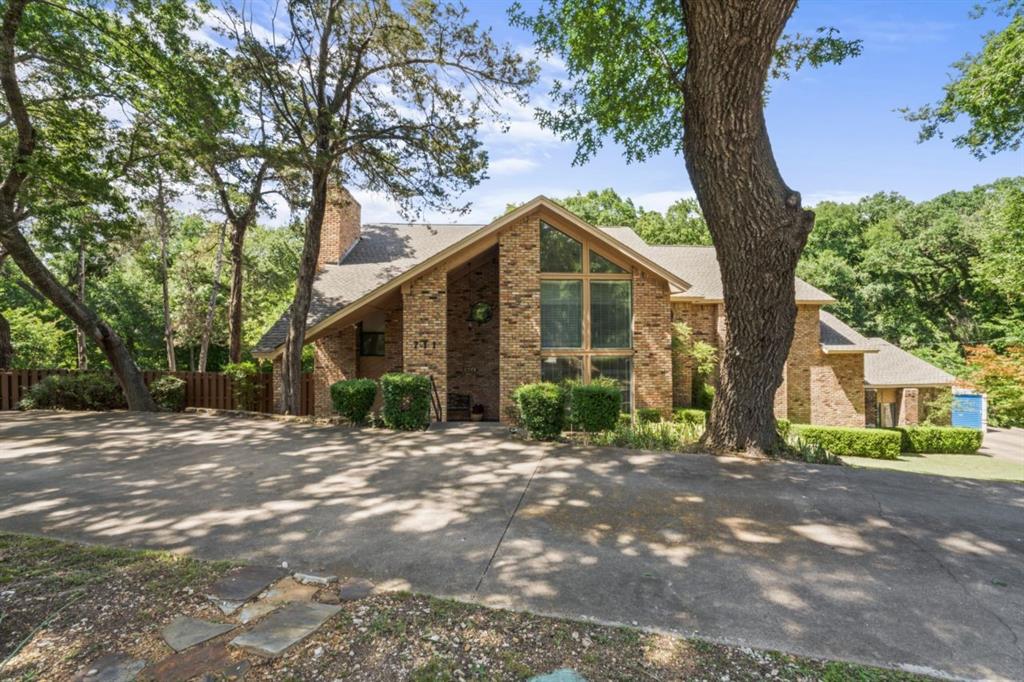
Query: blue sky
{"points": [[835, 130]]}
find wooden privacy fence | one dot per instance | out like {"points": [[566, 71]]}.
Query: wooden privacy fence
{"points": [[202, 389]]}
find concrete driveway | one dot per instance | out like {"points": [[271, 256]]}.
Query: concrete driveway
{"points": [[872, 566]]}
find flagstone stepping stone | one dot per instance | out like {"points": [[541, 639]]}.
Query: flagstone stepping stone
{"points": [[356, 588], [110, 668], [213, 660], [243, 583], [285, 627], [561, 675], [316, 579], [283, 591], [184, 632]]}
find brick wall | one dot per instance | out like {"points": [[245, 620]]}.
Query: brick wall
{"points": [[424, 329], [703, 322], [278, 379], [909, 408], [373, 367], [341, 228], [518, 307], [652, 343], [473, 347], [334, 359]]}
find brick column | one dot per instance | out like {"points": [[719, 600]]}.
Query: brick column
{"points": [[870, 407], [278, 389], [652, 343], [425, 330], [908, 407], [518, 309], [334, 359]]}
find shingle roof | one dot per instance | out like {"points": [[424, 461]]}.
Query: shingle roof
{"points": [[698, 265], [893, 366], [384, 251], [839, 337]]}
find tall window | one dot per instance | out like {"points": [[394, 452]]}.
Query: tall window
{"points": [[586, 314]]}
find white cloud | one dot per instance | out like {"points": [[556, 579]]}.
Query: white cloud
{"points": [[838, 196], [660, 201], [511, 166]]}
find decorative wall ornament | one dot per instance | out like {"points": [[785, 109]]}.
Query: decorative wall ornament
{"points": [[480, 312]]}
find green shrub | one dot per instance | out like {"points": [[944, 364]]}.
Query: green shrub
{"points": [[688, 415], [595, 406], [948, 440], [406, 401], [850, 441], [168, 392], [812, 453], [703, 396], [542, 409], [74, 391], [353, 399], [244, 386], [668, 436], [648, 415], [782, 427]]}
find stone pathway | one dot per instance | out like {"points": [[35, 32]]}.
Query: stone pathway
{"points": [[277, 610]]}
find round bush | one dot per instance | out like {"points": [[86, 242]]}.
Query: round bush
{"points": [[648, 415], [690, 416], [406, 401], [541, 409], [168, 392], [595, 406], [353, 399], [75, 391]]}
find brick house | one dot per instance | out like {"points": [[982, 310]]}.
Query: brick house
{"points": [[539, 294]]}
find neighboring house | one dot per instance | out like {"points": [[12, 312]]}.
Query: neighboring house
{"points": [[540, 294]]}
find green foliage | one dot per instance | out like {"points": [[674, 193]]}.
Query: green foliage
{"points": [[594, 406], [666, 436], [936, 440], [542, 409], [938, 412], [692, 416], [647, 415], [625, 65], [74, 391], [855, 442], [783, 427], [812, 452], [987, 91], [244, 384], [703, 395], [703, 355], [406, 401], [168, 392], [1001, 376], [353, 398]]}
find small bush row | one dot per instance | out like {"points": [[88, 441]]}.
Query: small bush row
{"points": [[546, 409], [77, 391], [947, 440], [850, 441], [405, 400]]}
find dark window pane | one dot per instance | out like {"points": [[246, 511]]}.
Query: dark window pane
{"points": [[618, 369], [558, 251], [599, 263], [558, 369], [371, 343], [561, 314], [611, 314]]}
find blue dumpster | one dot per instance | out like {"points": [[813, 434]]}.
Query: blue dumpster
{"points": [[968, 409]]}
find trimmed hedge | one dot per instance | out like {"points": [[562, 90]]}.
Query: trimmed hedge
{"points": [[78, 391], [595, 406], [169, 393], [688, 415], [783, 427], [353, 398], [406, 401], [947, 440], [647, 415], [851, 441], [542, 409]]}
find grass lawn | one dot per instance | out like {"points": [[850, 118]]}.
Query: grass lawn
{"points": [[964, 466], [63, 605]]}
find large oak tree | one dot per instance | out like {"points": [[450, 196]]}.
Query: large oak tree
{"points": [[370, 94], [690, 76]]}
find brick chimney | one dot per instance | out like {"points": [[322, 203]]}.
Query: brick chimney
{"points": [[342, 226]]}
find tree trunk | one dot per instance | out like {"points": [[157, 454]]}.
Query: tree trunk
{"points": [[756, 221], [127, 373], [214, 290], [238, 230], [83, 359], [163, 228], [291, 374]]}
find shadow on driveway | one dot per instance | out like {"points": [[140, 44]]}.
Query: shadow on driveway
{"points": [[872, 566]]}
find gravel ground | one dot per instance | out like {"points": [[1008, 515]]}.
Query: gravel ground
{"points": [[63, 605]]}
